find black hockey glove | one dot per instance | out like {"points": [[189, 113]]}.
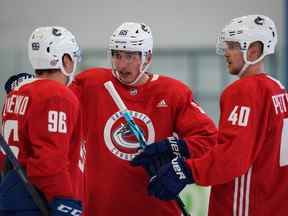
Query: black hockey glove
{"points": [[170, 179], [66, 207], [160, 153]]}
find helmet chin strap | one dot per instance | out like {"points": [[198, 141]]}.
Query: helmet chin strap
{"points": [[248, 63], [142, 71]]}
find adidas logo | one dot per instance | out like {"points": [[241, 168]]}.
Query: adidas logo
{"points": [[162, 103]]}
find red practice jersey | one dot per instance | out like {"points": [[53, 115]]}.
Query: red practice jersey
{"points": [[249, 165], [40, 123], [160, 107]]}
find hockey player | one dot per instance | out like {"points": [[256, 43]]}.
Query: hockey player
{"points": [[248, 168], [160, 105], [41, 121]]}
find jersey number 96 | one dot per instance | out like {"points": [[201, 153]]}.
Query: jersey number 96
{"points": [[57, 121]]}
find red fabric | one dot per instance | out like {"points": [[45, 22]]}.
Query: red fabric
{"points": [[48, 147], [244, 166], [160, 107]]}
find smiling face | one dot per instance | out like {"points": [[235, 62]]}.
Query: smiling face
{"points": [[234, 57], [127, 64]]}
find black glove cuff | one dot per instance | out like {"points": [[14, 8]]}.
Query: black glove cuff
{"points": [[178, 147], [187, 171]]}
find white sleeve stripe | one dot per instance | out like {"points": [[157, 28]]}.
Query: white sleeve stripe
{"points": [[242, 185], [243, 190], [235, 196], [248, 191]]}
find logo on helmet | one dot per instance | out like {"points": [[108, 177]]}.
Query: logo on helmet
{"points": [[259, 20], [144, 28], [54, 62], [123, 32], [56, 32], [35, 46]]}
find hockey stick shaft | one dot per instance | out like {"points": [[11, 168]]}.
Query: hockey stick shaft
{"points": [[29, 187], [135, 129]]}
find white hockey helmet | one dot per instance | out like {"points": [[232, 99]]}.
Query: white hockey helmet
{"points": [[133, 37], [248, 29], [47, 46]]}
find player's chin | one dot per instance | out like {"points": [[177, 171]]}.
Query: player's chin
{"points": [[233, 71], [126, 80]]}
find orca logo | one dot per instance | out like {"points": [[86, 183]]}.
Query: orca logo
{"points": [[259, 20], [118, 138], [56, 32], [144, 28]]}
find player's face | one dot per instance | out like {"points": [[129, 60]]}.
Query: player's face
{"points": [[127, 64], [234, 57]]}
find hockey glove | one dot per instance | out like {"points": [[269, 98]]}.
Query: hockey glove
{"points": [[14, 197], [15, 80], [66, 207], [170, 179], [165, 150]]}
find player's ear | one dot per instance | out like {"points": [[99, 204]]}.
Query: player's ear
{"points": [[255, 51], [67, 63]]}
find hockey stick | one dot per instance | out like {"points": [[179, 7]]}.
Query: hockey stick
{"points": [[29, 187], [135, 130]]}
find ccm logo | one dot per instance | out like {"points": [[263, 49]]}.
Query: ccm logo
{"points": [[67, 209]]}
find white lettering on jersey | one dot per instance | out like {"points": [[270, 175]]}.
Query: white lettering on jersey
{"points": [[239, 116], [10, 128], [57, 121], [279, 102], [284, 144], [16, 104]]}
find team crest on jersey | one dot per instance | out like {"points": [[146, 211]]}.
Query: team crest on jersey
{"points": [[118, 138]]}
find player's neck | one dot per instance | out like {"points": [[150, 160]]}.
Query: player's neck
{"points": [[57, 76], [254, 69], [144, 79]]}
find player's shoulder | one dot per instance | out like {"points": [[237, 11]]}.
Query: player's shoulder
{"points": [[271, 83], [45, 90], [169, 83], [254, 85], [94, 75]]}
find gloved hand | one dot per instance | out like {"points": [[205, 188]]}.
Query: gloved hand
{"points": [[66, 207], [14, 197], [170, 179], [163, 151], [15, 80]]}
